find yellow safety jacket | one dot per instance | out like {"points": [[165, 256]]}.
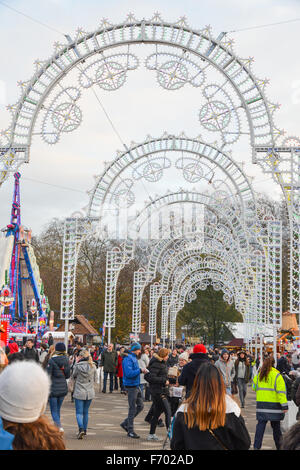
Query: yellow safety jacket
{"points": [[271, 398]]}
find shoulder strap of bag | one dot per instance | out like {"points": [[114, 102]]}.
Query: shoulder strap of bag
{"points": [[58, 368], [217, 439]]}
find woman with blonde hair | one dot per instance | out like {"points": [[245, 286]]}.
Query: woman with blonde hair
{"points": [[24, 390], [85, 376], [50, 353], [209, 419]]}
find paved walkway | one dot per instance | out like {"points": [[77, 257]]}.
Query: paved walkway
{"points": [[108, 410]]}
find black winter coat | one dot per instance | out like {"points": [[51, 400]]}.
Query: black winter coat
{"points": [[157, 375], [59, 371], [190, 370], [233, 436], [283, 365], [30, 354]]}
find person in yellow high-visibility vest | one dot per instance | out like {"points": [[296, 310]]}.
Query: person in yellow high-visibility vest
{"points": [[271, 401]]}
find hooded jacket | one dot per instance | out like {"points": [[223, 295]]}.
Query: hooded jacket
{"points": [[157, 375], [59, 371], [85, 376], [190, 370], [131, 370], [233, 435]]}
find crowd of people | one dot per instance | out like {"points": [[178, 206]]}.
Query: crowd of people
{"points": [[196, 394]]}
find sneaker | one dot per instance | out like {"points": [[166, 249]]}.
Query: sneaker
{"points": [[61, 430], [133, 435], [160, 423], [124, 427], [153, 437], [103, 391], [80, 434]]}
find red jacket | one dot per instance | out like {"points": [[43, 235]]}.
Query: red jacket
{"points": [[119, 367]]}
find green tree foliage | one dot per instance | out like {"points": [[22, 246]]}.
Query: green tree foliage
{"points": [[207, 315]]}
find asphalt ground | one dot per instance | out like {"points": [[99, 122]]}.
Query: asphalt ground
{"points": [[108, 410]]}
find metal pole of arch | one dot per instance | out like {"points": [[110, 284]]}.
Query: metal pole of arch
{"points": [[66, 333]]}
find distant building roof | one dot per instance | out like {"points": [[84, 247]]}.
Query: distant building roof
{"points": [[236, 342], [80, 326]]}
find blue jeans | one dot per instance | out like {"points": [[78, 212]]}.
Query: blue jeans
{"points": [[111, 380], [82, 413], [142, 387], [55, 406], [260, 430]]}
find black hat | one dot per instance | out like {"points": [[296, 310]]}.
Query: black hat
{"points": [[60, 347]]}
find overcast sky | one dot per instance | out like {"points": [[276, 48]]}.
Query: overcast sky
{"points": [[141, 107]]}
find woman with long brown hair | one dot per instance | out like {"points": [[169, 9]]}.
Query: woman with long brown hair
{"points": [[271, 401], [209, 419], [24, 390]]}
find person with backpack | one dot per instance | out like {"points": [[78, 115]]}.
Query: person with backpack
{"points": [[59, 371]]}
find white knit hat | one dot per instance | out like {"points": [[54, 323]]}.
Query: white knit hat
{"points": [[24, 391], [184, 356]]}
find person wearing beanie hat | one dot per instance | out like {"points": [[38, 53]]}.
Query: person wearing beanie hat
{"points": [[131, 381], [183, 359], [157, 377], [199, 348], [189, 371], [60, 347], [59, 371], [24, 391], [135, 347], [226, 367]]}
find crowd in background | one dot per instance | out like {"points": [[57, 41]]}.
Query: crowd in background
{"points": [[195, 393]]}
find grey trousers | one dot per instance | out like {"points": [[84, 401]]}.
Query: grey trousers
{"points": [[135, 406]]}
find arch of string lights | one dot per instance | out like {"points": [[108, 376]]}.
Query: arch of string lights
{"points": [[233, 105]]}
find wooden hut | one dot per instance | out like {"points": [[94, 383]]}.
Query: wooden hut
{"points": [[82, 330]]}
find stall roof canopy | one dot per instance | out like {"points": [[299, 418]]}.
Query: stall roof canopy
{"points": [[80, 326]]}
